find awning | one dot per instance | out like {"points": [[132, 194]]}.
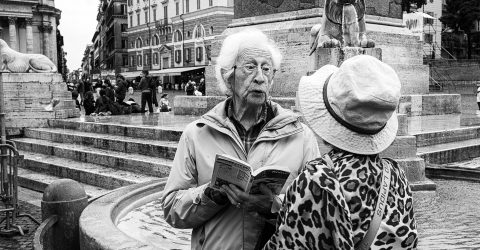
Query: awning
{"points": [[425, 15], [131, 74], [173, 71]]}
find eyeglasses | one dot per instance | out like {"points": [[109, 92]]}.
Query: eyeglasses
{"points": [[251, 68]]}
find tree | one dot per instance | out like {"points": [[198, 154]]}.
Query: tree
{"points": [[407, 4], [461, 15]]}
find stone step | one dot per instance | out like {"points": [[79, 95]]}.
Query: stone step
{"points": [[143, 146], [450, 152], [38, 182], [91, 174], [165, 133], [447, 136], [135, 163]]}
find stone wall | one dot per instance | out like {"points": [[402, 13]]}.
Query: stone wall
{"points": [[400, 49], [249, 8], [27, 94]]}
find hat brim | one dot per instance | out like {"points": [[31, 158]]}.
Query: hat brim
{"points": [[310, 95]]}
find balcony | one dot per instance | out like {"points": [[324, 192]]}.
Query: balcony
{"points": [[162, 23]]}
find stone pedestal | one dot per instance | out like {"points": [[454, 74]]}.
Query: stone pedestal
{"points": [[336, 56], [27, 95]]}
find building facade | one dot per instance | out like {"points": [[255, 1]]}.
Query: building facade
{"points": [[432, 31], [109, 40], [30, 26], [171, 38]]}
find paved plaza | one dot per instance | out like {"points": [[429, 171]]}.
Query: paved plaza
{"points": [[419, 126]]}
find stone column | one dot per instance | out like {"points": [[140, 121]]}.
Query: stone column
{"points": [[29, 30], [13, 32], [53, 40], [46, 29]]}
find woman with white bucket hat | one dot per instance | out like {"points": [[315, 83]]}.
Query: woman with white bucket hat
{"points": [[350, 198]]}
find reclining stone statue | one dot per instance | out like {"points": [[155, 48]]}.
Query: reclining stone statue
{"points": [[17, 62], [343, 24]]}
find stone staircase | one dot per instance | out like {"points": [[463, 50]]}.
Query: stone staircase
{"points": [[101, 156]]}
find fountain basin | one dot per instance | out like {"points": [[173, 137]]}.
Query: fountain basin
{"points": [[98, 222]]}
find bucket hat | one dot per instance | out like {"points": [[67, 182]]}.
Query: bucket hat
{"points": [[353, 107]]}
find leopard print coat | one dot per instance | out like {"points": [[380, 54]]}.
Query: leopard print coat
{"points": [[332, 208]]}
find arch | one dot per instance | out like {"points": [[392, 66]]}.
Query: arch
{"points": [[198, 31], [178, 37], [156, 39], [211, 30], [139, 43]]}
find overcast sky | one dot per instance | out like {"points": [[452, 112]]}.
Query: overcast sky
{"points": [[77, 26]]}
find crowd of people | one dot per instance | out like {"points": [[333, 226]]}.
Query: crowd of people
{"points": [[107, 97], [346, 197]]}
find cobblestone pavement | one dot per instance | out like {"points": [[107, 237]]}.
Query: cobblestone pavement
{"points": [[19, 241]]}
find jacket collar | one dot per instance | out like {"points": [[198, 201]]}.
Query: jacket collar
{"points": [[284, 123]]}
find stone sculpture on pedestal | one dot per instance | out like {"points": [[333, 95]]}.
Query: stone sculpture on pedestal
{"points": [[343, 24], [17, 62]]}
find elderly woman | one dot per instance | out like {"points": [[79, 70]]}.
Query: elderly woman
{"points": [[247, 126], [350, 198]]}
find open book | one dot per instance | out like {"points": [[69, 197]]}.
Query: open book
{"points": [[230, 170]]}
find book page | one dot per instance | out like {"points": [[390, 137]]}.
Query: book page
{"points": [[272, 177], [227, 171]]}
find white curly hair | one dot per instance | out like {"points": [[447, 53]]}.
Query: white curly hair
{"points": [[233, 45]]}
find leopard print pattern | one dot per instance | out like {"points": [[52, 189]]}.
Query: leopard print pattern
{"points": [[332, 208]]}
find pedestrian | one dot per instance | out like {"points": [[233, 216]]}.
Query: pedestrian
{"points": [[120, 88], [478, 98], [107, 86], [164, 104], [247, 126], [154, 86], [89, 103], [189, 88], [350, 198], [81, 90], [201, 86], [145, 87], [103, 104]]}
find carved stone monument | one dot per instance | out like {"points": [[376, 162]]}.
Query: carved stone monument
{"points": [[31, 99], [17, 62]]}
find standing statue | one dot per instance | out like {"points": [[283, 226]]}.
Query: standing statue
{"points": [[17, 62], [343, 24]]}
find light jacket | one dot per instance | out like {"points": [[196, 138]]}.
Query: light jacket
{"points": [[284, 141]]}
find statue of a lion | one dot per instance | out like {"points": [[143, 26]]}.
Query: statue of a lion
{"points": [[343, 23], [17, 62]]}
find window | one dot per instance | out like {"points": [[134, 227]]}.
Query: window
{"points": [[428, 21], [146, 16], [131, 20], [178, 36], [178, 56], [132, 45], [199, 32], [156, 40], [177, 8], [139, 60], [124, 9], [199, 54], [123, 27], [165, 62], [124, 43], [188, 34], [165, 12], [187, 6], [138, 1], [154, 14], [145, 60], [155, 58], [132, 60], [211, 30], [139, 43], [138, 18], [198, 4], [210, 2], [188, 55], [125, 60]]}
